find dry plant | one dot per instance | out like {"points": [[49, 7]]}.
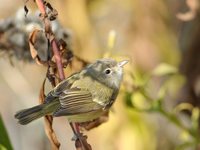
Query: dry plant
{"points": [[59, 56]]}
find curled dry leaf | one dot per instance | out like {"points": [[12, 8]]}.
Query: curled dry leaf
{"points": [[52, 13], [50, 133], [95, 123], [48, 122], [191, 14], [33, 51], [26, 10], [51, 77], [66, 54], [19, 27]]}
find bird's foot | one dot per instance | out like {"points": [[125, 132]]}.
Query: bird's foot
{"points": [[77, 136]]}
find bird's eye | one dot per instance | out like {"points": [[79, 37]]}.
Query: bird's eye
{"points": [[108, 71]]}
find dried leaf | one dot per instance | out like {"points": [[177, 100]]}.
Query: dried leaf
{"points": [[48, 30], [48, 5], [95, 123], [26, 10], [33, 51], [48, 122], [42, 95], [66, 54], [51, 77], [50, 132], [191, 14], [53, 13]]}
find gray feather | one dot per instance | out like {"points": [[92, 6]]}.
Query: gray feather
{"points": [[27, 115]]}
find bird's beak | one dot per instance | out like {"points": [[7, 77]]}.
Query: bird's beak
{"points": [[122, 63]]}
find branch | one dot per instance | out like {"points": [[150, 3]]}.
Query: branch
{"points": [[58, 59]]}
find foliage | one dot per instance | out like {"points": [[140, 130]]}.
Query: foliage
{"points": [[5, 143], [143, 100]]}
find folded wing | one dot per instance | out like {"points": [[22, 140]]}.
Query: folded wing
{"points": [[76, 101]]}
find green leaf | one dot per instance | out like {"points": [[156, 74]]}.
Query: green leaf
{"points": [[186, 145], [140, 101], [127, 98], [164, 69], [195, 118], [5, 143], [2, 147], [140, 79]]}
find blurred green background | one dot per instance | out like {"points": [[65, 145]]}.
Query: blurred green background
{"points": [[156, 36]]}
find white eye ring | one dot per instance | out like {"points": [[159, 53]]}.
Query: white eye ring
{"points": [[108, 71]]}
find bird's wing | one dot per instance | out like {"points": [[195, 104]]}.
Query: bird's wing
{"points": [[66, 84], [76, 101], [62, 86]]}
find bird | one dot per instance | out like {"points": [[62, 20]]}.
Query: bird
{"points": [[83, 96]]}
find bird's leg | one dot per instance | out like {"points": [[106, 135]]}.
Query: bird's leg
{"points": [[76, 130], [80, 139]]}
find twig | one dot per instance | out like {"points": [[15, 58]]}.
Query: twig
{"points": [[41, 7], [58, 59]]}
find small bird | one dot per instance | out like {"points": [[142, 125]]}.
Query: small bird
{"points": [[82, 97]]}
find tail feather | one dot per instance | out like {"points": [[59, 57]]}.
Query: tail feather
{"points": [[28, 115]]}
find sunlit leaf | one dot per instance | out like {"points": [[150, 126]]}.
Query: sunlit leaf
{"points": [[111, 39], [183, 106], [110, 43], [140, 101], [195, 118], [2, 147], [162, 92], [156, 105], [169, 85], [139, 79], [164, 69], [185, 136]]}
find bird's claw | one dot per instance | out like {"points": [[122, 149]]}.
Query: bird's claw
{"points": [[77, 136]]}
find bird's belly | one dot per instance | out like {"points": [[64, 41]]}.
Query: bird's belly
{"points": [[85, 116]]}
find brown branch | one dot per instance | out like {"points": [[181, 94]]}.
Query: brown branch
{"points": [[49, 119], [41, 7], [58, 59]]}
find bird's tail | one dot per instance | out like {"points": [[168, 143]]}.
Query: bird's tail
{"points": [[26, 116]]}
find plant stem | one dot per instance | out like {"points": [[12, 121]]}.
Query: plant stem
{"points": [[58, 59], [171, 117]]}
